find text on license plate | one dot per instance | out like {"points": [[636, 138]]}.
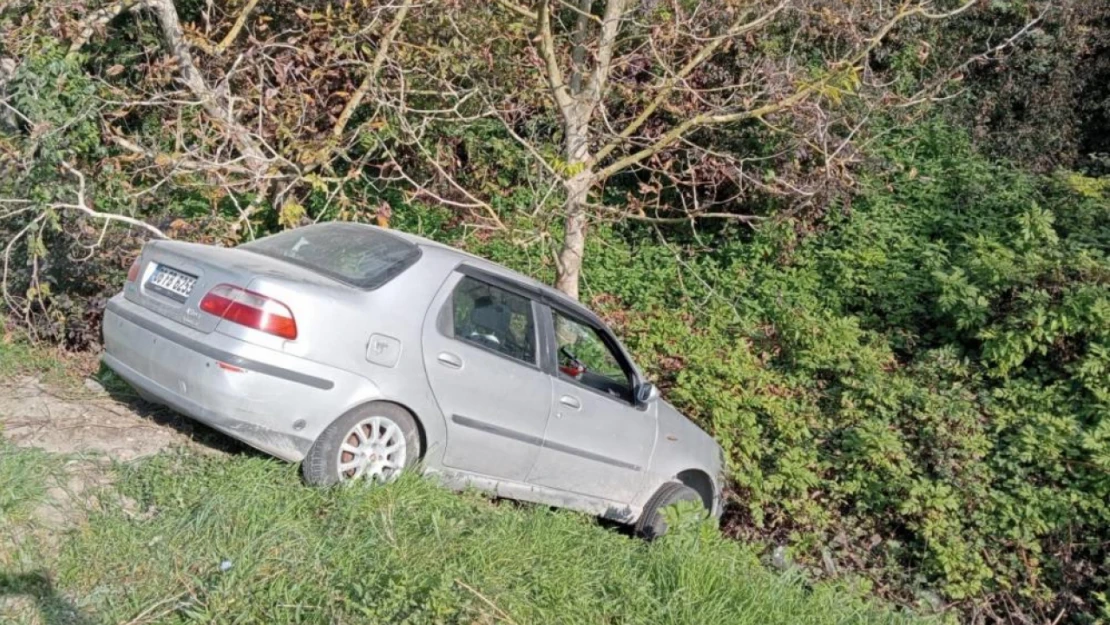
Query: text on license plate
{"points": [[172, 283]]}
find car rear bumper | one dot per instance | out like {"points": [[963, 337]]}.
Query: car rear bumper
{"points": [[273, 401]]}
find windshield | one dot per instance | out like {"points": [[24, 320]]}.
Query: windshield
{"points": [[355, 254]]}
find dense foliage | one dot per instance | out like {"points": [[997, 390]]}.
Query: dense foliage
{"points": [[911, 376], [920, 391], [1047, 103]]}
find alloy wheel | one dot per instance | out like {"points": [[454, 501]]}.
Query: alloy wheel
{"points": [[373, 450]]}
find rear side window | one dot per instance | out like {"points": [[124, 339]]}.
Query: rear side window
{"points": [[494, 319], [354, 254]]}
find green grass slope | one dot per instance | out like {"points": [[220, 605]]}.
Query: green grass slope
{"points": [[186, 539]]}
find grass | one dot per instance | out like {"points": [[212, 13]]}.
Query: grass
{"points": [[24, 475], [54, 366], [185, 538], [23, 483], [180, 538], [19, 358]]}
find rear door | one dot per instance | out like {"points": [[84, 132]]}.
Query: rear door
{"points": [[482, 353], [598, 442]]}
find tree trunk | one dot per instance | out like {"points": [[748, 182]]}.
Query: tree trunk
{"points": [[575, 217], [574, 236]]}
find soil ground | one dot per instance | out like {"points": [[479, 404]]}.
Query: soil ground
{"points": [[90, 428], [87, 420]]}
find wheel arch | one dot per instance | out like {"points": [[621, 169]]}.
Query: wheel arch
{"points": [[702, 483], [421, 428]]}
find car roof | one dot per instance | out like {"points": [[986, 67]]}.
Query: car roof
{"points": [[538, 289]]}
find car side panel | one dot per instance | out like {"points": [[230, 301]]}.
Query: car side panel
{"points": [[509, 489], [276, 402], [601, 448], [681, 446], [377, 335]]}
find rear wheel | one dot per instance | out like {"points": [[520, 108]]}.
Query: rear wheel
{"points": [[372, 443], [651, 524]]}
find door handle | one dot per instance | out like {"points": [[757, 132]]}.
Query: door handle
{"points": [[448, 359], [570, 402]]}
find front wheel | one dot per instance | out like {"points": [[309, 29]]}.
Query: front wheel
{"points": [[652, 524], [372, 443]]}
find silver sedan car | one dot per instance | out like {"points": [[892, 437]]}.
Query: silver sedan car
{"points": [[363, 352]]}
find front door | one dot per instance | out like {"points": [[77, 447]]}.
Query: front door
{"points": [[598, 443], [481, 353]]}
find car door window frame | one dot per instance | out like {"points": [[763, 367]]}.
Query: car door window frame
{"points": [[543, 303], [445, 322], [607, 338]]}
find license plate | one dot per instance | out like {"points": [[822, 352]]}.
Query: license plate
{"points": [[171, 283]]}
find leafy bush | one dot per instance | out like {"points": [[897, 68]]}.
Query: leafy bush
{"points": [[920, 391], [59, 264]]}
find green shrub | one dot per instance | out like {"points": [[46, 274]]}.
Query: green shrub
{"points": [[920, 391]]}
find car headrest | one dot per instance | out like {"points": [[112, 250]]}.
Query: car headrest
{"points": [[489, 315]]}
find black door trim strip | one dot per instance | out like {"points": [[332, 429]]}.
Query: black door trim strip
{"points": [[538, 441]]}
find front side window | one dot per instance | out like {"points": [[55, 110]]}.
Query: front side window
{"points": [[495, 319], [586, 358]]}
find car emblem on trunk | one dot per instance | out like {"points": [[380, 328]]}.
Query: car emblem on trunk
{"points": [[192, 315]]}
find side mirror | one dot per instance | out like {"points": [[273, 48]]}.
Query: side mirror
{"points": [[646, 392]]}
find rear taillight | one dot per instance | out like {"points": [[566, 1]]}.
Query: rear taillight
{"points": [[133, 271], [250, 309]]}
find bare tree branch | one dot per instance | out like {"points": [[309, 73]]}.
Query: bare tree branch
{"points": [[606, 41], [83, 206], [232, 34], [524, 12], [174, 38], [691, 216], [373, 71], [555, 80], [673, 80], [805, 91]]}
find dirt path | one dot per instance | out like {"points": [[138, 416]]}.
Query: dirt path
{"points": [[90, 428], [88, 420]]}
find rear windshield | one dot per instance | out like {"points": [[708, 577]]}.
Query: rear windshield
{"points": [[354, 254]]}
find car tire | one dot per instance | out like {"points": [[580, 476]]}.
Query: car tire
{"points": [[651, 524], [322, 464]]}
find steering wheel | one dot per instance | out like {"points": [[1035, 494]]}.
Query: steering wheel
{"points": [[572, 360], [488, 338]]}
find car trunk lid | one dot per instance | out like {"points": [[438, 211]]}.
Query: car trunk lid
{"points": [[174, 277]]}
